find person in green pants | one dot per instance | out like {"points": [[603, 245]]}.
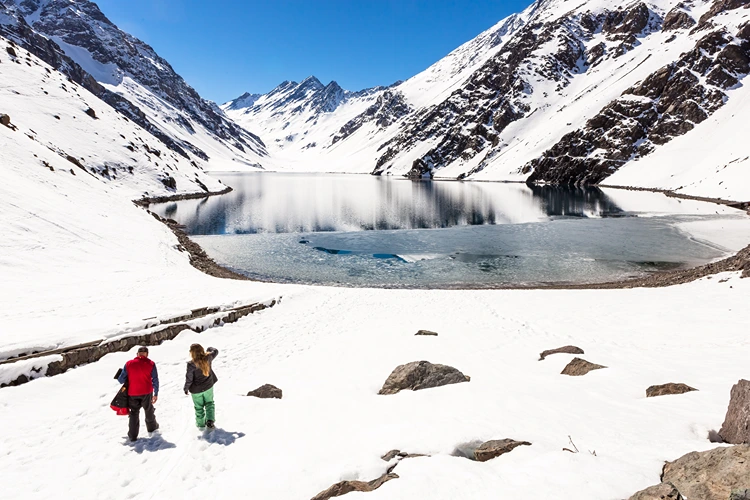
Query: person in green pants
{"points": [[199, 381]]}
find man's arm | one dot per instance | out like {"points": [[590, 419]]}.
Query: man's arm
{"points": [[123, 376], [155, 380]]}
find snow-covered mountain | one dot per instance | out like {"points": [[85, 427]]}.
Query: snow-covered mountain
{"points": [[131, 77], [564, 92]]}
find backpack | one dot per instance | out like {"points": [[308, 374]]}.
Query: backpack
{"points": [[120, 403]]}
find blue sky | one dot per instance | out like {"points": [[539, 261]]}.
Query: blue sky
{"points": [[226, 47]]}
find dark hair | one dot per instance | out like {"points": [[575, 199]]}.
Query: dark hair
{"points": [[200, 358]]}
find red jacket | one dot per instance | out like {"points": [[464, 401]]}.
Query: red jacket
{"points": [[140, 373]]}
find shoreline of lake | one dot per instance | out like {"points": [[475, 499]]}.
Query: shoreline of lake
{"points": [[739, 261]]}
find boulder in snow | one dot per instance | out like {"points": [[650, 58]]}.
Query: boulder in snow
{"points": [[4, 119], [496, 447], [421, 375], [426, 332], [579, 367], [400, 454], [345, 487], [736, 427], [568, 349], [91, 113], [11, 51], [266, 391], [663, 491], [710, 475], [667, 389]]}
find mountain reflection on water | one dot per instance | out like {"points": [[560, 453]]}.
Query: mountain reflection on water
{"points": [[286, 203], [359, 230]]}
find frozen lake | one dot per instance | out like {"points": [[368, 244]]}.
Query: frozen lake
{"points": [[365, 231]]}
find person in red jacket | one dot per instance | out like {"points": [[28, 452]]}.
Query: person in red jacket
{"points": [[143, 390]]}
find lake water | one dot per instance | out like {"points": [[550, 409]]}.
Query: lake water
{"points": [[365, 231]]}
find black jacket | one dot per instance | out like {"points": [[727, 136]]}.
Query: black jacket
{"points": [[195, 381]]}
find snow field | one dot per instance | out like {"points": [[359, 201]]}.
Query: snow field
{"points": [[330, 350]]}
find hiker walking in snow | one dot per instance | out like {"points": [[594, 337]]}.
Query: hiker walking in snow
{"points": [[143, 389], [199, 381]]}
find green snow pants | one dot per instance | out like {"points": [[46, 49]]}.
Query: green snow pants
{"points": [[204, 407]]}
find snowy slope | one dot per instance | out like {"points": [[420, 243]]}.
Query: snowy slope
{"points": [[71, 234], [122, 64]]}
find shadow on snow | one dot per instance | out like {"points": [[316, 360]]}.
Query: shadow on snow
{"points": [[222, 437], [153, 443]]}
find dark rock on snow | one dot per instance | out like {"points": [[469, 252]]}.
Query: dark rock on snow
{"points": [[496, 447], [568, 349], [345, 487], [421, 375], [266, 391], [91, 113], [736, 427], [579, 367], [426, 332], [667, 389], [4, 120]]}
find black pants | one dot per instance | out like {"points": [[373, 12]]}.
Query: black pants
{"points": [[135, 403]]}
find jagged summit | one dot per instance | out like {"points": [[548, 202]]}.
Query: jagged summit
{"points": [[565, 92]]}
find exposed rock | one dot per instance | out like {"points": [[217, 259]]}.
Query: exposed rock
{"points": [[720, 6], [4, 120], [426, 332], [743, 494], [419, 375], [169, 182], [496, 447], [389, 107], [11, 51], [710, 475], [663, 491], [666, 104], [91, 113], [345, 487], [568, 349], [678, 19], [736, 427], [391, 455], [266, 391], [419, 170], [400, 455], [579, 367], [667, 389]]}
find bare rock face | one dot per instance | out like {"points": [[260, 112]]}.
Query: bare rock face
{"points": [[710, 475], [426, 332], [421, 375], [678, 19], [496, 447], [736, 427], [345, 487], [579, 367], [667, 389], [663, 491], [266, 391], [568, 349], [743, 494]]}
